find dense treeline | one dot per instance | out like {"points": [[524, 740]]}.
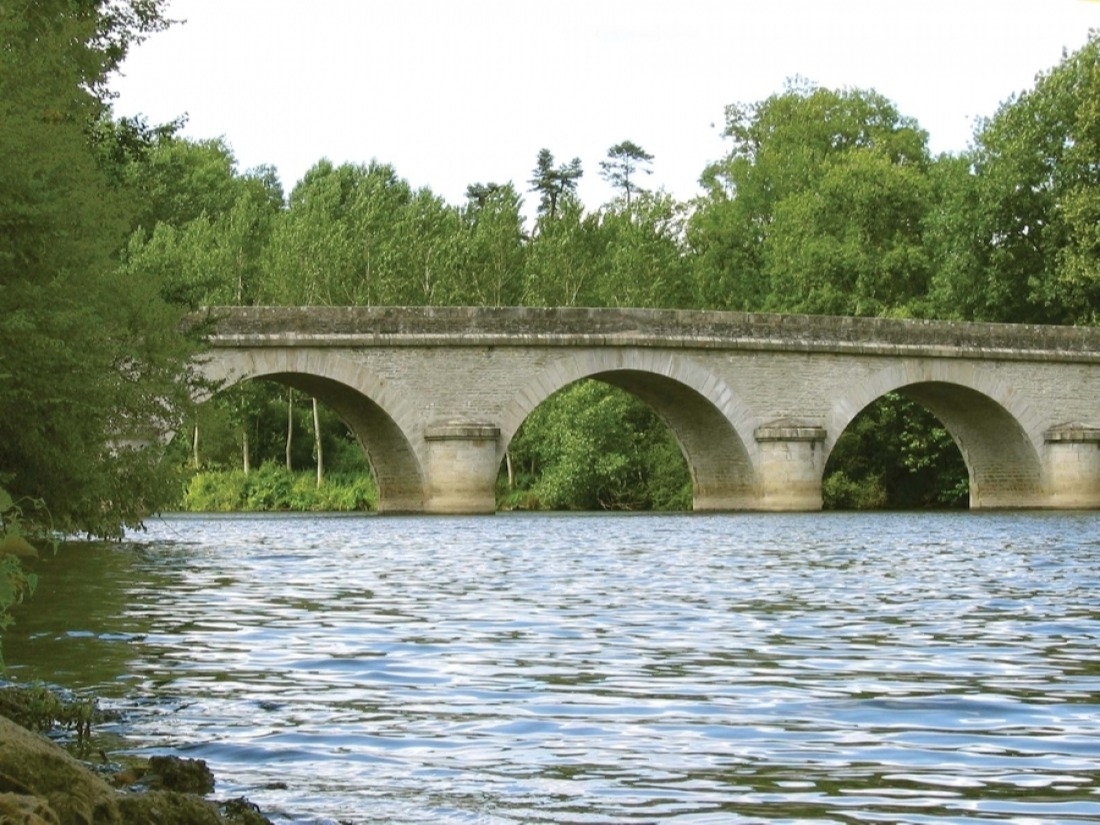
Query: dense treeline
{"points": [[826, 201]]}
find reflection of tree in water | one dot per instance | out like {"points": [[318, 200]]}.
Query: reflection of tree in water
{"points": [[80, 626]]}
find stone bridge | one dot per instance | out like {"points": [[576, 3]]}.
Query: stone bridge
{"points": [[756, 402]]}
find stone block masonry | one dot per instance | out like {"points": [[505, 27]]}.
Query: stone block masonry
{"points": [[757, 402]]}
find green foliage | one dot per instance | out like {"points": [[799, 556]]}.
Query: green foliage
{"points": [[642, 261], [839, 492], [895, 454], [592, 447], [494, 251], [16, 583], [38, 708], [271, 489], [91, 363], [624, 161], [554, 183], [1017, 236], [205, 228], [256, 413], [563, 267], [852, 245], [361, 235], [817, 207]]}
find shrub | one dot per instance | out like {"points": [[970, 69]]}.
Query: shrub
{"points": [[839, 492], [271, 488]]}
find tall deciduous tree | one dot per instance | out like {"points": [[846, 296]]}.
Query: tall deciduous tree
{"points": [[494, 247], [90, 357], [851, 245], [564, 263], [642, 256], [1017, 236], [817, 207], [181, 180], [360, 235], [215, 257]]}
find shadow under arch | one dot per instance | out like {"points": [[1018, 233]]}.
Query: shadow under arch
{"points": [[706, 420], [995, 433], [353, 393]]}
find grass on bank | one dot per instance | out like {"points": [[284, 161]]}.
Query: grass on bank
{"points": [[272, 488]]}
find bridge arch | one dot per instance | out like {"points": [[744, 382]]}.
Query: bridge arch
{"points": [[711, 425], [998, 433], [379, 419]]}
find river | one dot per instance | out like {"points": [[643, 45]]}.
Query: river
{"points": [[848, 668]]}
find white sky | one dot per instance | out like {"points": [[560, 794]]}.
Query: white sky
{"points": [[469, 90]]}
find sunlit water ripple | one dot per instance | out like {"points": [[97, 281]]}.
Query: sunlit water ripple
{"points": [[599, 669]]}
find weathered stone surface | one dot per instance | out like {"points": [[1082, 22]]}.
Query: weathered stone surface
{"points": [[1075, 433], [435, 394], [789, 431], [171, 773], [569, 326], [461, 431]]}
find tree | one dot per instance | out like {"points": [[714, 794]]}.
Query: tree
{"points": [[312, 256], [180, 180], [1016, 237], [895, 454], [494, 248], [564, 262], [478, 194], [92, 365], [624, 160], [818, 206], [643, 261], [554, 182], [215, 258], [853, 244], [360, 235], [592, 446]]}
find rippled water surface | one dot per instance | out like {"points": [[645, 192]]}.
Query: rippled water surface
{"points": [[598, 669]]}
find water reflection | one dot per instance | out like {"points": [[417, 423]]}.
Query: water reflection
{"points": [[931, 668]]}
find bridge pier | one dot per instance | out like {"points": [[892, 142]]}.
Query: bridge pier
{"points": [[791, 464], [462, 468], [1073, 463]]}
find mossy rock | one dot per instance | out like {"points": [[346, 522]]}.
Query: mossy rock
{"points": [[20, 809], [167, 808], [41, 784], [31, 765]]}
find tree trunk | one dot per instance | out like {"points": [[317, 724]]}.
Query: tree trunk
{"points": [[289, 426], [247, 466], [317, 443], [511, 471], [195, 447]]}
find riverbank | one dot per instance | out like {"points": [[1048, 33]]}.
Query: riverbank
{"points": [[43, 784]]}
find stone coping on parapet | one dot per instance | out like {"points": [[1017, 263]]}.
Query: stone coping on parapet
{"points": [[325, 326]]}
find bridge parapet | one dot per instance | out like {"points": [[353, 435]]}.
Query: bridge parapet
{"points": [[575, 326]]}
